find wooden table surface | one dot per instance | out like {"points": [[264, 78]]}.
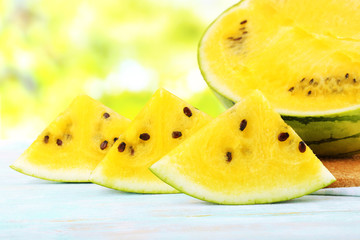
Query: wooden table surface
{"points": [[31, 208]]}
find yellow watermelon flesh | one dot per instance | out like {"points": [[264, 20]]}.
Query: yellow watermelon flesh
{"points": [[74, 143], [247, 155], [303, 55], [162, 124]]}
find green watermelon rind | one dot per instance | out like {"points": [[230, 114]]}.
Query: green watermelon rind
{"points": [[132, 190], [326, 132], [336, 134], [163, 173], [120, 185], [27, 171]]}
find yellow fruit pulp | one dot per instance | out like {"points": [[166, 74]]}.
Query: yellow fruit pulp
{"points": [[73, 144], [230, 162], [128, 170], [303, 55]]}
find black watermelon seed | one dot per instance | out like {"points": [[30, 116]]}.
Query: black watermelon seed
{"points": [[291, 89], [283, 136], [311, 81], [121, 147], [347, 75], [302, 146], [176, 134], [354, 80], [144, 136], [187, 110], [103, 145], [46, 139], [58, 142], [131, 150], [302, 80], [309, 92], [115, 139], [237, 39], [243, 124], [243, 22], [106, 115], [228, 157]]}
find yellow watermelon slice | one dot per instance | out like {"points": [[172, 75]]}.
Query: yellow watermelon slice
{"points": [[74, 143], [247, 155], [303, 56], [163, 123]]}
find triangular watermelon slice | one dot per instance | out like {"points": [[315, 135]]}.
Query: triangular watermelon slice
{"points": [[246, 155], [74, 143], [163, 123]]}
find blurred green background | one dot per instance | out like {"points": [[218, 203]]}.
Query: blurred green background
{"points": [[118, 52]]}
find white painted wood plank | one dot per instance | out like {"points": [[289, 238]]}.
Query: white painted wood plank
{"points": [[36, 209]]}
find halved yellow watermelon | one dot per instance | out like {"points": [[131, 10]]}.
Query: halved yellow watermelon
{"points": [[304, 57], [246, 155], [74, 143], [163, 123]]}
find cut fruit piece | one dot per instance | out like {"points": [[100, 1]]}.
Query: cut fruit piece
{"points": [[72, 145], [163, 123], [304, 57], [247, 155]]}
